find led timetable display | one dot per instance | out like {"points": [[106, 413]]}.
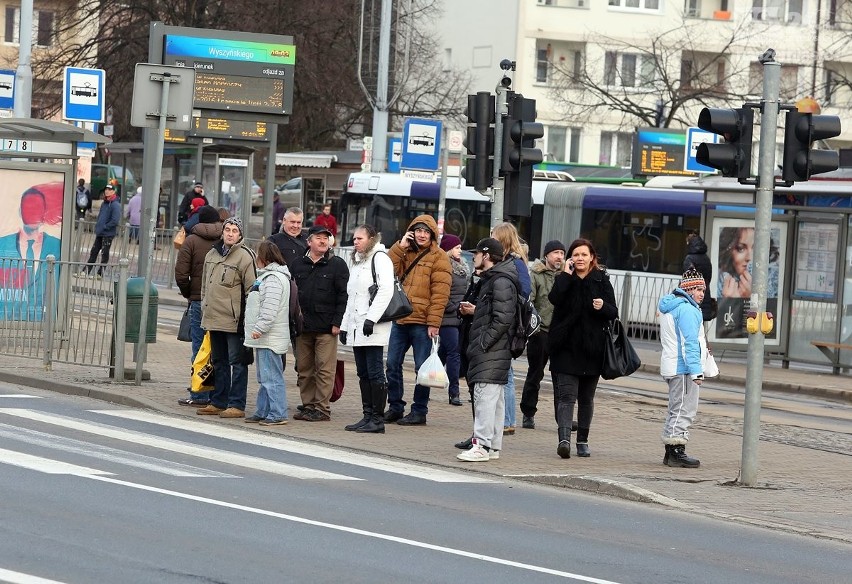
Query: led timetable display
{"points": [[659, 151]]}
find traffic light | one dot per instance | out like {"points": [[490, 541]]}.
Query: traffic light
{"points": [[520, 131], [479, 167], [800, 131], [733, 158]]}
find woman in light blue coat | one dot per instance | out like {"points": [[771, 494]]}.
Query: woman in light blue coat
{"points": [[268, 333], [361, 329]]}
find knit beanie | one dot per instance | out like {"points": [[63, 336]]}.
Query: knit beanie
{"points": [[553, 245], [692, 278], [234, 221], [208, 214], [196, 204], [449, 241]]}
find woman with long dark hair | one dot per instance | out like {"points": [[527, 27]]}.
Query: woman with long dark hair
{"points": [[583, 302]]}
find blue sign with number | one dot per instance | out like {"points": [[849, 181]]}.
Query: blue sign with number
{"points": [[694, 137], [7, 89], [83, 95], [421, 144]]}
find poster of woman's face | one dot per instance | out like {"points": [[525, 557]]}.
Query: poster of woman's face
{"points": [[733, 254]]}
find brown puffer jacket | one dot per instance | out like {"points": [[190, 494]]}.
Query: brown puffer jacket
{"points": [[428, 284], [189, 266]]}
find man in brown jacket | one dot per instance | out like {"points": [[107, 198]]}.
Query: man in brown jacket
{"points": [[426, 275], [189, 268]]}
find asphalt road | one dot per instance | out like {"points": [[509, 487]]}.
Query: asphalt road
{"points": [[97, 493]]}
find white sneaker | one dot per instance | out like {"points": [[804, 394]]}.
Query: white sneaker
{"points": [[476, 454], [493, 454]]}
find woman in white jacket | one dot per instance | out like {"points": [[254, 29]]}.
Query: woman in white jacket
{"points": [[361, 328], [268, 332]]}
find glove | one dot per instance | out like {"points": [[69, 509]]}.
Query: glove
{"points": [[342, 337], [368, 327]]}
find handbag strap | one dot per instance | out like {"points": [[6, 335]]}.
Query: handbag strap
{"points": [[407, 270]]}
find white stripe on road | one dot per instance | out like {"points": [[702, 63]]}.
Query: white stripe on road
{"points": [[142, 439], [287, 445], [61, 443], [21, 395], [21, 578], [356, 531], [46, 465]]}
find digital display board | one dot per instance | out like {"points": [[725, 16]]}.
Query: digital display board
{"points": [[233, 73], [224, 128], [659, 151]]}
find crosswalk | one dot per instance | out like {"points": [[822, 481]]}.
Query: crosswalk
{"points": [[103, 424]]}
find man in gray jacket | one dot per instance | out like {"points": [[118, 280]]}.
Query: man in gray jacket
{"points": [[229, 274], [488, 352]]}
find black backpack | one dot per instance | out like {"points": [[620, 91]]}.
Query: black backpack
{"points": [[526, 324]]}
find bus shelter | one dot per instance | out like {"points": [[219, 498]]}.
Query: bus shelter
{"points": [[810, 268]]}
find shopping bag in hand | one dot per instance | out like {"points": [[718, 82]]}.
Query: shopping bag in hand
{"points": [[432, 372]]}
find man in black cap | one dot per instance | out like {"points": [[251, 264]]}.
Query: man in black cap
{"points": [[488, 351], [321, 278], [542, 275]]}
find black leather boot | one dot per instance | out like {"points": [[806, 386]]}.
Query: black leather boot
{"points": [[564, 447], [583, 443], [379, 396], [679, 458], [366, 405], [668, 454]]}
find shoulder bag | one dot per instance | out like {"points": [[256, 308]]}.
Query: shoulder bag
{"points": [[620, 358], [184, 332], [180, 237], [400, 305]]}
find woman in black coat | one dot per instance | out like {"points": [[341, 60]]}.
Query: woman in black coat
{"points": [[583, 302]]}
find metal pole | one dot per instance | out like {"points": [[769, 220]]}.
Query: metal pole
{"points": [[380, 110], [757, 302], [442, 193], [159, 146], [120, 318], [24, 73], [49, 310], [270, 179], [500, 109]]}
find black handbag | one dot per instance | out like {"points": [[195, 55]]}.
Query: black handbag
{"points": [[183, 330], [399, 306], [620, 358]]}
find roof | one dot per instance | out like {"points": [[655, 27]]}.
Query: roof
{"points": [[318, 159], [46, 131]]}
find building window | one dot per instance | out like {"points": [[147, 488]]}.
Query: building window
{"points": [[448, 59], [789, 84], [542, 64], [777, 10], [616, 149], [43, 26], [628, 70], [44, 33], [636, 4], [13, 24], [830, 86], [563, 144]]}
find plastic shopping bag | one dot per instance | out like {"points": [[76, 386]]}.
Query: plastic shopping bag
{"points": [[432, 372], [202, 367]]}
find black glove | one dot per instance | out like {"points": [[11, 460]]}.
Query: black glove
{"points": [[368, 327], [342, 337]]}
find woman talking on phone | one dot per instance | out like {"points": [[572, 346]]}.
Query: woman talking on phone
{"points": [[583, 302]]}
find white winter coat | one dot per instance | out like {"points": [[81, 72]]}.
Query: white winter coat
{"points": [[268, 310], [358, 308]]}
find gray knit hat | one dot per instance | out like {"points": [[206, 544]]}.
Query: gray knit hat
{"points": [[235, 221]]}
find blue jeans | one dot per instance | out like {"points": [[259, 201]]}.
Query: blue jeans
{"points": [[509, 398], [272, 394], [403, 337], [230, 375], [196, 333], [369, 363], [448, 351]]}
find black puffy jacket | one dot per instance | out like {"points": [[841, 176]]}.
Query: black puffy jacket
{"points": [[488, 343], [322, 291], [576, 337]]}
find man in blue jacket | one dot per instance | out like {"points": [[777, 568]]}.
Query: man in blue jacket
{"points": [[105, 229], [681, 363]]}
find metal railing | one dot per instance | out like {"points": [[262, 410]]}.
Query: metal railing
{"points": [[638, 295]]}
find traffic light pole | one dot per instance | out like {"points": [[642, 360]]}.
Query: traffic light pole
{"points": [[760, 273], [500, 109]]}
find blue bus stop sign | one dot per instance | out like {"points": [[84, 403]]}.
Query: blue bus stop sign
{"points": [[694, 137], [83, 94], [421, 144], [7, 89]]}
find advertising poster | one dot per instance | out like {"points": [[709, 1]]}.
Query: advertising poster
{"points": [[30, 230], [732, 254]]}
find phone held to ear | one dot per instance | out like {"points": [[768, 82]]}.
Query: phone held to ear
{"points": [[412, 243]]}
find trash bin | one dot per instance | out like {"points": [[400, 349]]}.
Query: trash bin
{"points": [[135, 289]]}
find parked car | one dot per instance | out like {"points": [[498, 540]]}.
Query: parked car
{"points": [[256, 197], [291, 192], [103, 173]]}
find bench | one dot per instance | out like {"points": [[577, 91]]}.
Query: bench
{"points": [[832, 351]]}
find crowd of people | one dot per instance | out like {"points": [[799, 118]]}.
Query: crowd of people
{"points": [[241, 298]]}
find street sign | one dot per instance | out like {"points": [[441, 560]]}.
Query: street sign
{"points": [[7, 89], [455, 140], [394, 154], [694, 137], [147, 95], [83, 94], [421, 144]]}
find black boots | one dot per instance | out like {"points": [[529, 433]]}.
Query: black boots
{"points": [[366, 405], [583, 443], [379, 396], [564, 447], [676, 456]]}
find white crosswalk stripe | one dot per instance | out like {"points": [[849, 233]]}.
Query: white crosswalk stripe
{"points": [[142, 439], [46, 465], [19, 395], [278, 443]]}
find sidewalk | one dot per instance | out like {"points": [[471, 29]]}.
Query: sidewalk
{"points": [[803, 477]]}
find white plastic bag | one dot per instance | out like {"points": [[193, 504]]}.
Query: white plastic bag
{"points": [[432, 372]]}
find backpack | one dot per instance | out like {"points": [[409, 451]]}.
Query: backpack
{"points": [[526, 324], [82, 199]]}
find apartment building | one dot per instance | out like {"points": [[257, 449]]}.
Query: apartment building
{"points": [[600, 68]]}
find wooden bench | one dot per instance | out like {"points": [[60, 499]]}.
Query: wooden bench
{"points": [[832, 351]]}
